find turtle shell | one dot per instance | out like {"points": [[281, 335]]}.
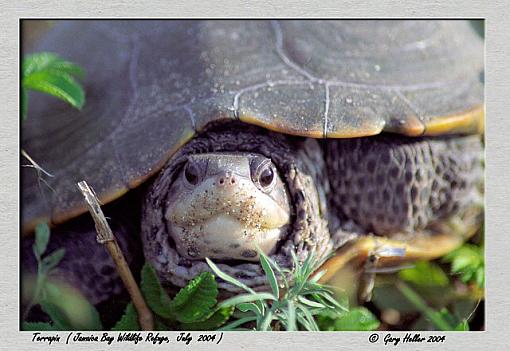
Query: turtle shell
{"points": [[152, 85]]}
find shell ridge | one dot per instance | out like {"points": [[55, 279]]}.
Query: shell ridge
{"points": [[191, 115], [326, 110], [300, 70], [284, 57], [235, 102], [412, 106], [396, 87], [133, 65]]}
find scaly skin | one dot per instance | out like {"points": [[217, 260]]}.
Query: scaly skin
{"points": [[387, 184]]}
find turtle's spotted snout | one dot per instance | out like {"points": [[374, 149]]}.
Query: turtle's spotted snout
{"points": [[226, 206]]}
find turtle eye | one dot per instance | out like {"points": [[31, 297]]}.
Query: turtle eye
{"points": [[263, 173], [266, 176], [191, 173]]}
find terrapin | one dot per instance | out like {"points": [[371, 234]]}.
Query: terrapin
{"points": [[218, 138]]}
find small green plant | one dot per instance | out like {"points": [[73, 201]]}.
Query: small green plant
{"points": [[356, 319], [193, 308], [426, 289], [468, 261], [294, 308], [67, 309], [442, 319], [297, 303], [296, 300], [425, 273], [48, 73]]}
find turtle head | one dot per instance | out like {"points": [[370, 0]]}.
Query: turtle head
{"points": [[230, 191], [226, 205]]}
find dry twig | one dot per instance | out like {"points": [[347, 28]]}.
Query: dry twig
{"points": [[105, 237]]}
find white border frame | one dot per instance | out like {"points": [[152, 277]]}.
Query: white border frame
{"points": [[497, 223]]}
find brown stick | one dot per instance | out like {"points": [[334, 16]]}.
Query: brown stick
{"points": [[105, 237]]}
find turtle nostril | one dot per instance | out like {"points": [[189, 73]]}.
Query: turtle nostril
{"points": [[225, 178]]}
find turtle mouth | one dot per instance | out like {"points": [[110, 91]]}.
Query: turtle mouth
{"points": [[224, 237]]}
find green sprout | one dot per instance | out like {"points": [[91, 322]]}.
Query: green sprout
{"points": [[67, 309], [468, 261], [48, 73], [294, 308]]}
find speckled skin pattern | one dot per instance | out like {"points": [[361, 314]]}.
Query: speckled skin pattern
{"points": [[299, 162], [381, 185], [388, 184], [224, 210]]}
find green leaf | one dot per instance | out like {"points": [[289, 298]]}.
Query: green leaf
{"points": [[449, 318], [295, 310], [265, 324], [291, 316], [451, 322], [306, 325], [335, 304], [195, 300], [53, 259], [465, 256], [387, 296], [243, 298], [480, 276], [421, 305], [156, 297], [50, 74], [129, 321], [39, 326], [310, 303], [57, 315], [425, 274], [237, 323], [217, 319], [306, 319], [58, 84], [462, 326], [317, 276], [469, 262], [42, 237], [226, 277], [359, 318], [245, 307], [49, 61], [69, 309], [271, 277], [326, 319]]}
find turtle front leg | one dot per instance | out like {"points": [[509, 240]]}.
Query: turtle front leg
{"points": [[402, 196]]}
